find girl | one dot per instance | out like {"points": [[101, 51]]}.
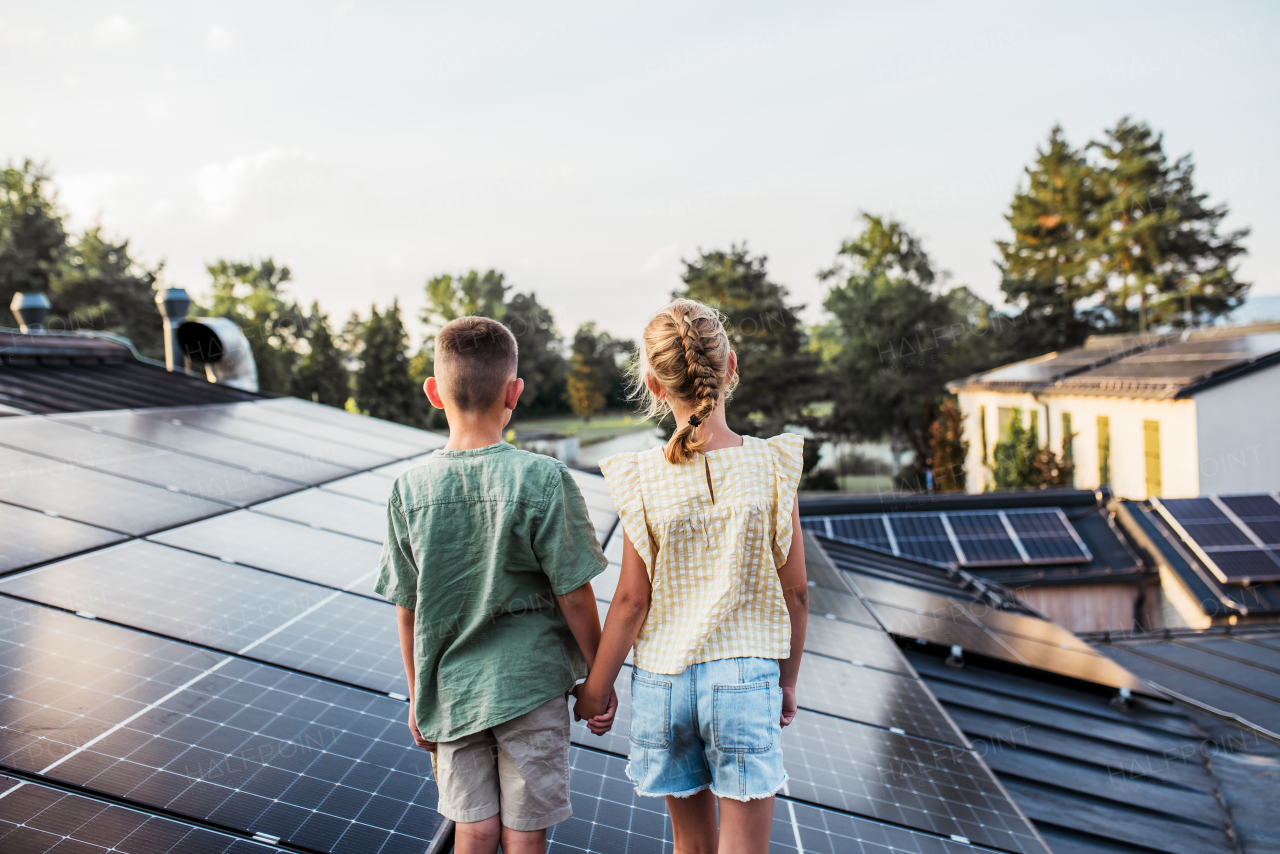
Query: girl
{"points": [[712, 595]]}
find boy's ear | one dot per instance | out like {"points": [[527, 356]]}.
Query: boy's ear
{"points": [[515, 388], [432, 388]]}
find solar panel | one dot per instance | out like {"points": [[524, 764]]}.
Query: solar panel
{"points": [[845, 765], [869, 647], [394, 470], [28, 537], [824, 602], [157, 466], [356, 459], [36, 819], [366, 485], [202, 443], [341, 513], [232, 608], [208, 737], [95, 498], [350, 436], [351, 421], [966, 538], [1228, 545], [285, 547]]}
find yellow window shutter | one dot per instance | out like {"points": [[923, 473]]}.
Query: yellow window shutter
{"points": [[1151, 450], [1104, 450]]}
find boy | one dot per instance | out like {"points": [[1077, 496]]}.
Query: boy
{"points": [[488, 558]]}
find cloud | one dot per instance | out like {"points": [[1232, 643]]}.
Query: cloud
{"points": [[86, 195], [11, 36], [272, 180], [661, 259], [340, 11], [116, 30], [221, 39]]}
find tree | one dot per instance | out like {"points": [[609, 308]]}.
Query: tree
{"points": [[1048, 267], [542, 362], [99, 286], [777, 369], [321, 374], [594, 371], [895, 338], [383, 387], [32, 238], [253, 296], [947, 447], [1020, 462], [1162, 260]]}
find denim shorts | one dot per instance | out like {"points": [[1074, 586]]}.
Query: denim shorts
{"points": [[715, 724]]}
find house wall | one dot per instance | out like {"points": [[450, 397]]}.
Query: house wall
{"points": [[1085, 607], [1239, 427], [1179, 452]]}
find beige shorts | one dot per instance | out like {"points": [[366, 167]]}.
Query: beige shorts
{"points": [[519, 769]]}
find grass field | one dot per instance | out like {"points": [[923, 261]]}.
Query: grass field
{"points": [[607, 425]]}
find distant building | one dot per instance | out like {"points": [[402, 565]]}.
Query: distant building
{"points": [[1173, 415]]}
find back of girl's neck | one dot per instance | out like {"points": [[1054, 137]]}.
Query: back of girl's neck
{"points": [[716, 430]]}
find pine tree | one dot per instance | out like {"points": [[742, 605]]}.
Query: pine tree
{"points": [[97, 285], [383, 386], [1158, 248], [1047, 266], [594, 371], [253, 295], [321, 374], [32, 238], [948, 447], [1015, 454]]}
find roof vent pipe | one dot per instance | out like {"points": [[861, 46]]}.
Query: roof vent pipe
{"points": [[173, 304], [30, 311], [219, 345]]}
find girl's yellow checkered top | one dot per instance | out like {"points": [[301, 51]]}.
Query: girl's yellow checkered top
{"points": [[712, 533]]}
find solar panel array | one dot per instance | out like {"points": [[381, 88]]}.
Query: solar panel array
{"points": [[201, 670], [1013, 537], [1237, 537]]}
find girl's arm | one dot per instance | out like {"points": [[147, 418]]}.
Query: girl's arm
{"points": [[795, 587], [627, 611]]}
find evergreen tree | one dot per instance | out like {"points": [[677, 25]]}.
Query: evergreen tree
{"points": [[97, 285], [32, 238], [1162, 259], [383, 386], [253, 295], [947, 447], [321, 374], [777, 369], [1047, 267], [594, 370], [1020, 462]]}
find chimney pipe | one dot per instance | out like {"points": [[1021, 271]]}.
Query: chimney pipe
{"points": [[173, 304], [30, 310]]}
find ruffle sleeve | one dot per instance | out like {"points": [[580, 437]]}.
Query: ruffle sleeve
{"points": [[622, 476], [787, 451]]}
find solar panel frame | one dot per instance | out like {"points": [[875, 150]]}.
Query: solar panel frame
{"points": [[1228, 546], [283, 546]]}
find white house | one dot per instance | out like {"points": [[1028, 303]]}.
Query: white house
{"points": [[1174, 415]]}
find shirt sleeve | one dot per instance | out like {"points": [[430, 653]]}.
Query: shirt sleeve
{"points": [[564, 539], [787, 451], [397, 572], [622, 476]]}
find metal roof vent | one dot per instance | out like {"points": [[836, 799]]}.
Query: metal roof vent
{"points": [[219, 345], [30, 311], [173, 304]]}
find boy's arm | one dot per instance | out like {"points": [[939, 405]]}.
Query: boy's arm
{"points": [[404, 623], [795, 588], [626, 615], [579, 608]]}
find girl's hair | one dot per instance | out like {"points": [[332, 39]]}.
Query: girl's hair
{"points": [[686, 351]]}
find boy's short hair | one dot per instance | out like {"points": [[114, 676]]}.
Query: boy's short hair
{"points": [[478, 356]]}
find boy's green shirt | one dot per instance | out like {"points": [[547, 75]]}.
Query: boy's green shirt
{"points": [[479, 543]]}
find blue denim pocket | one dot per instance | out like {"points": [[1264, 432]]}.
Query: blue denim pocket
{"points": [[650, 711], [741, 717]]}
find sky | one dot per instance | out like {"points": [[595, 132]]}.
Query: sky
{"points": [[585, 149]]}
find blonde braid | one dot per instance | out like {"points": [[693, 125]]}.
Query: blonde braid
{"points": [[704, 382]]}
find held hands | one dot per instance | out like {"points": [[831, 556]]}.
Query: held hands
{"points": [[596, 708], [417, 736], [788, 706]]}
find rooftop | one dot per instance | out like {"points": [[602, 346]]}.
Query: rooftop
{"points": [[1163, 366]]}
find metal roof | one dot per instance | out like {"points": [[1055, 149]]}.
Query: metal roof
{"points": [[1163, 366]]}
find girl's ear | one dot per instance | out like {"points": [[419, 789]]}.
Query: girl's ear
{"points": [[733, 368], [655, 387]]}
